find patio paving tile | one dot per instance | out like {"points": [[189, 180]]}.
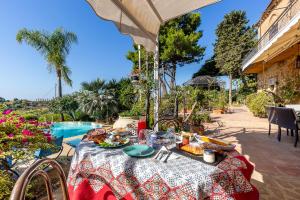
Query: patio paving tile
{"points": [[277, 168]]}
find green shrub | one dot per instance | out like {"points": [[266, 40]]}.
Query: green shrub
{"points": [[31, 116], [222, 100], [54, 117], [200, 118], [80, 116], [7, 184], [257, 103]]}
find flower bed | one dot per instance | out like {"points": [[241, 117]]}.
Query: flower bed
{"points": [[19, 139], [17, 134]]}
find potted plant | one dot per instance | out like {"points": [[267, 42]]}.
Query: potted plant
{"points": [[220, 104], [196, 124]]}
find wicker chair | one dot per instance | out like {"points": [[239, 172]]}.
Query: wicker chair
{"points": [[35, 170]]}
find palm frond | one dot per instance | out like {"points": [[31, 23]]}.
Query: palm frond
{"points": [[36, 39], [66, 72]]}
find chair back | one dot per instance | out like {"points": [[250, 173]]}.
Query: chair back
{"points": [[19, 189], [272, 118], [59, 141], [286, 118]]}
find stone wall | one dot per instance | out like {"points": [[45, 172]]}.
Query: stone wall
{"points": [[273, 77]]}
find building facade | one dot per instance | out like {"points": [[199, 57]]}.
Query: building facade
{"points": [[276, 57]]}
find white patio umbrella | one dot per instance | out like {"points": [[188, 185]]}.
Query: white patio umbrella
{"points": [[141, 19]]}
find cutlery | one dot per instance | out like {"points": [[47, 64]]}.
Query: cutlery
{"points": [[169, 153], [156, 156]]}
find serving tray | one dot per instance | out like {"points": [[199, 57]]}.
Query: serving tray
{"points": [[219, 157]]}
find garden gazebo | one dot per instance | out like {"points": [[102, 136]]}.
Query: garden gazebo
{"points": [[141, 19]]}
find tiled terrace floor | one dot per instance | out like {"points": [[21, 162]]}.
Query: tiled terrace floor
{"points": [[277, 164]]}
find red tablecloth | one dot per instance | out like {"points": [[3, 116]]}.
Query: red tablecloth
{"points": [[109, 174]]}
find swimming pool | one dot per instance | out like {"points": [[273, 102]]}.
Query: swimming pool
{"points": [[70, 129]]}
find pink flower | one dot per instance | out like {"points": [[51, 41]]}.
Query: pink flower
{"points": [[21, 119], [27, 132], [2, 121], [11, 135], [7, 112]]}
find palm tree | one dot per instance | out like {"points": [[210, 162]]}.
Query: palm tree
{"points": [[97, 97], [54, 47], [93, 86]]}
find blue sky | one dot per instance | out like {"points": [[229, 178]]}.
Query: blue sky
{"points": [[101, 49]]}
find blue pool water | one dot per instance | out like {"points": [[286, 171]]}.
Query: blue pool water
{"points": [[70, 129]]}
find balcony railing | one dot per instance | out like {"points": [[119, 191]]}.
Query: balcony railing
{"points": [[282, 21]]}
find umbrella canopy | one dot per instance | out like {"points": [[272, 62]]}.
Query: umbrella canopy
{"points": [[141, 19]]}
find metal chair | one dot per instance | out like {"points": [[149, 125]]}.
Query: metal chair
{"points": [[42, 153], [73, 143], [19, 189], [286, 118], [6, 164], [272, 118]]}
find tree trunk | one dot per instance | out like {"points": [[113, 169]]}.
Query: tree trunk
{"points": [[173, 77], [193, 108], [60, 91], [176, 108], [163, 86], [230, 89]]}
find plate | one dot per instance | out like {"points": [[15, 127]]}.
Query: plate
{"points": [[138, 151], [107, 144]]}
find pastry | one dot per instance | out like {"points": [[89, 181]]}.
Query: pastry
{"points": [[193, 148]]}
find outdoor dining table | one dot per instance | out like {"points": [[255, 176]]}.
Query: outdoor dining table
{"points": [[97, 173]]}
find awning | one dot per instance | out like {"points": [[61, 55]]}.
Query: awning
{"points": [[141, 19]]}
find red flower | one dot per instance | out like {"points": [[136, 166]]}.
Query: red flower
{"points": [[27, 132], [24, 140], [49, 138]]}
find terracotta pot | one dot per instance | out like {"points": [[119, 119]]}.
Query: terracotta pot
{"points": [[122, 122], [218, 111], [197, 129]]}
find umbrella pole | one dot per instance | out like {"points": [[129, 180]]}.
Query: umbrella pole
{"points": [[140, 71], [156, 84]]}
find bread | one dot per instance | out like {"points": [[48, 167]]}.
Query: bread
{"points": [[193, 148]]}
